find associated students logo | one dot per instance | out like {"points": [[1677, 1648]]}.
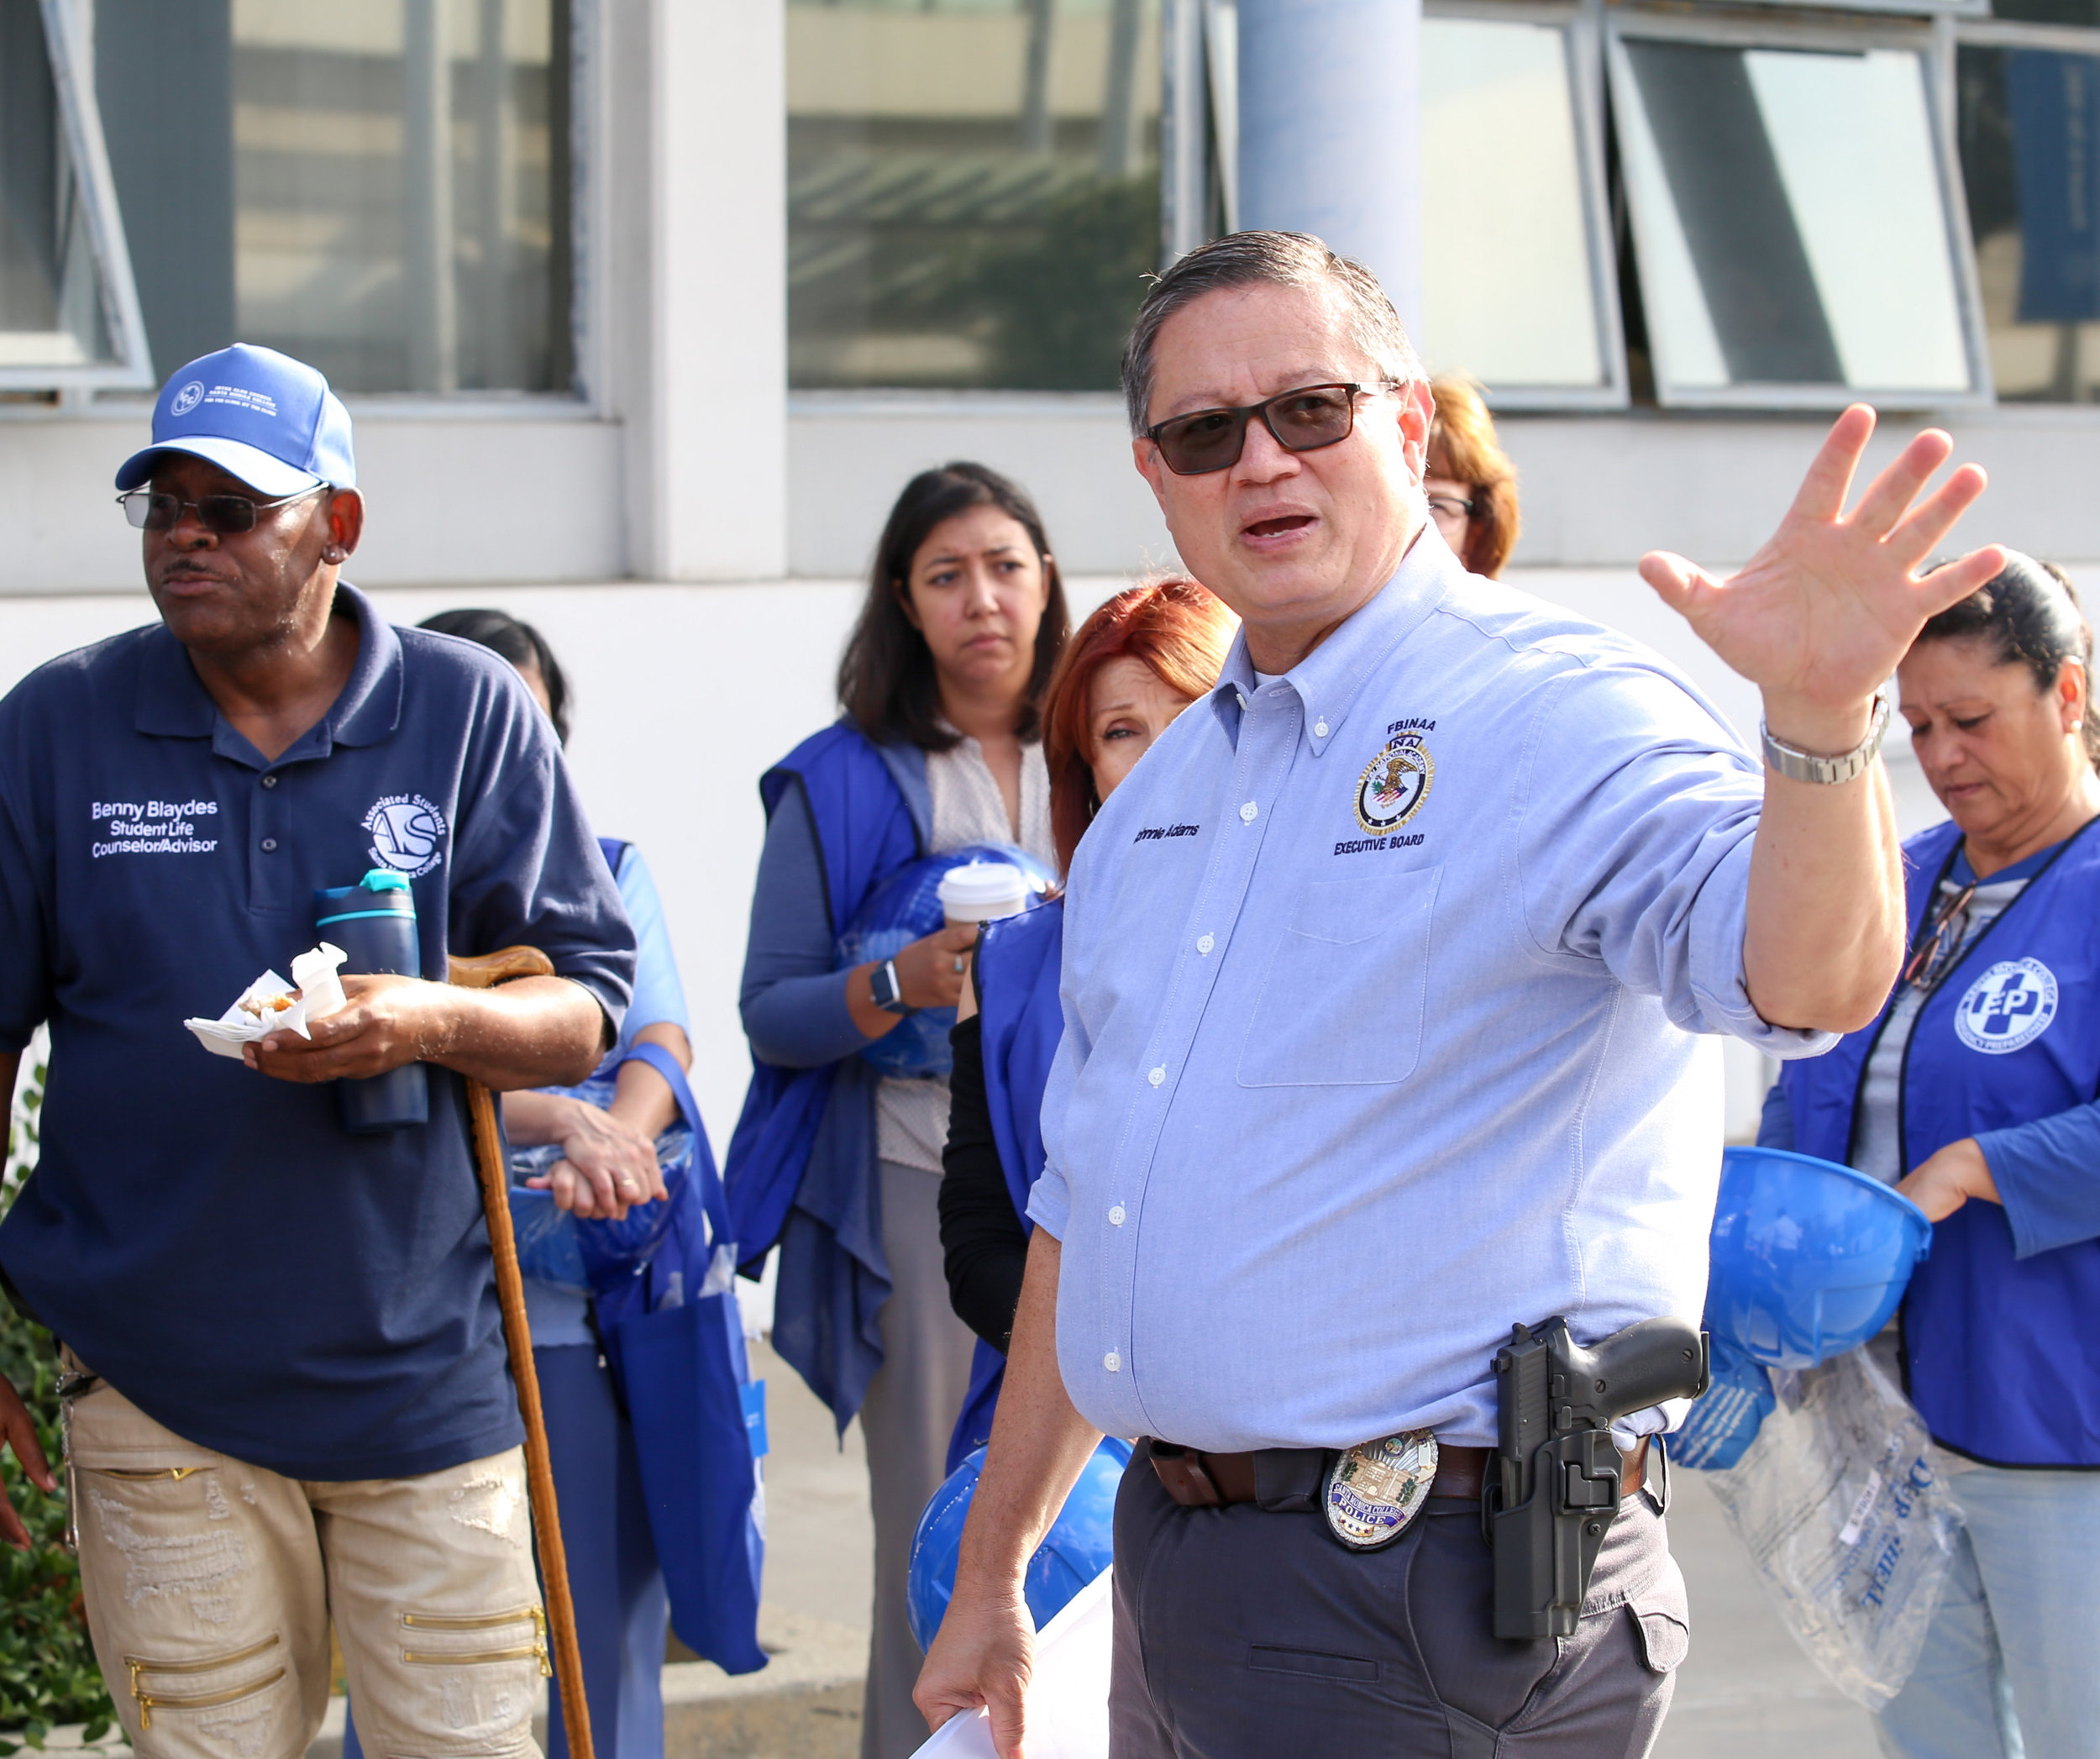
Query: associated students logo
{"points": [[408, 834], [187, 399], [2007, 1008]]}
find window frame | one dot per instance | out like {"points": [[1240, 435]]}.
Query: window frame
{"points": [[1978, 30], [80, 120], [1199, 149], [1582, 22], [1932, 41]]}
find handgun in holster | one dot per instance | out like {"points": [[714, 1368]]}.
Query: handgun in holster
{"points": [[1555, 1489]]}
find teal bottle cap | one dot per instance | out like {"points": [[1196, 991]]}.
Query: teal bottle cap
{"points": [[384, 880]]}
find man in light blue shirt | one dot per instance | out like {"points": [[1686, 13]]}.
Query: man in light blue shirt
{"points": [[1394, 1043]]}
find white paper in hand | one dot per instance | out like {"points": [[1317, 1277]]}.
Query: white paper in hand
{"points": [[1068, 1699], [268, 1005]]}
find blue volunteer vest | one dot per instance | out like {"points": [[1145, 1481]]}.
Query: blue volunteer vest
{"points": [[1998, 1350], [1018, 962], [816, 1201]]}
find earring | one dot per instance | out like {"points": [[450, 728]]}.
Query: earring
{"points": [[331, 554]]}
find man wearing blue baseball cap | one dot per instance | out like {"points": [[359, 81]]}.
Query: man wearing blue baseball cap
{"points": [[286, 1385]]}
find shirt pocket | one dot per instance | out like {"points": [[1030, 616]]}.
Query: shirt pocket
{"points": [[1342, 1001]]}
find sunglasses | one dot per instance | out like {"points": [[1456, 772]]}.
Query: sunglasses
{"points": [[151, 510], [1941, 939], [1303, 420]]}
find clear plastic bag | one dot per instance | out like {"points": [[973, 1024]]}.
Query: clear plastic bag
{"points": [[1848, 1524]]}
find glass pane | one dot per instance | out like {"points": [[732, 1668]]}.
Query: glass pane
{"points": [[50, 292], [1507, 292], [2030, 160], [973, 190], [2048, 11], [401, 190], [1790, 219]]}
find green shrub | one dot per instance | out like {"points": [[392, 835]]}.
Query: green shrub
{"points": [[47, 1666]]}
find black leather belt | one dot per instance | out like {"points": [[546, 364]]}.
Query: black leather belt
{"points": [[1287, 1479]]}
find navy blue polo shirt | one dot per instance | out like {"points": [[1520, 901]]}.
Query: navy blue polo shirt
{"points": [[209, 1240]]}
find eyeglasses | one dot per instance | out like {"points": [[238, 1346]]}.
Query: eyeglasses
{"points": [[150, 510], [1449, 507], [1940, 940], [1303, 420]]}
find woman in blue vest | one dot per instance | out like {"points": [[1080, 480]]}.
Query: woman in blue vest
{"points": [[603, 1144], [1134, 665], [1975, 1093], [938, 748]]}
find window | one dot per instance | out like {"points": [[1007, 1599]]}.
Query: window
{"points": [[1789, 200], [2030, 157], [1516, 284], [68, 312], [381, 188], [973, 190]]}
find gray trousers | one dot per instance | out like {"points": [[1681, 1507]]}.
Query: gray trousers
{"points": [[1244, 1635], [907, 1418]]}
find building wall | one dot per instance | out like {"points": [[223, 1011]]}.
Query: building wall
{"points": [[540, 491]]}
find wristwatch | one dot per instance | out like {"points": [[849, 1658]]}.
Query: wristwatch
{"points": [[1806, 766], [887, 993]]}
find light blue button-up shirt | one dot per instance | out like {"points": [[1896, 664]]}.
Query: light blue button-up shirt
{"points": [[1382, 988]]}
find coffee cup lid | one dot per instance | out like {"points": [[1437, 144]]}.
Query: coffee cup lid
{"points": [[969, 891]]}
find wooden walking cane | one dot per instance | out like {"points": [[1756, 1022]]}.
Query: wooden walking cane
{"points": [[483, 973]]}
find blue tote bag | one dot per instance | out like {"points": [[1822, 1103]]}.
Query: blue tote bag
{"points": [[675, 1342]]}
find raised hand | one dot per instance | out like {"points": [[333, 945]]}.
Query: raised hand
{"points": [[1820, 616]]}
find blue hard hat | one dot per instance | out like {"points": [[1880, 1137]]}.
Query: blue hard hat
{"points": [[1809, 1259], [906, 907], [1078, 1548]]}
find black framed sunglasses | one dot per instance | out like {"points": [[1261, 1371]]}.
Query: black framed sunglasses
{"points": [[1303, 420], [151, 510]]}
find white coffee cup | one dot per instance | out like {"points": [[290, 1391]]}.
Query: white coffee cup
{"points": [[983, 892]]}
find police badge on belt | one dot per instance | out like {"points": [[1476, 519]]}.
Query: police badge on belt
{"points": [[1372, 1492]]}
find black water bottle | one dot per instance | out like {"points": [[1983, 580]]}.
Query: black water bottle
{"points": [[374, 922]]}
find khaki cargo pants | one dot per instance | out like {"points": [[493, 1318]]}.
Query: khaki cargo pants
{"points": [[211, 1584]]}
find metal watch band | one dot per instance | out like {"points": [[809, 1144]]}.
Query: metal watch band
{"points": [[1806, 766]]}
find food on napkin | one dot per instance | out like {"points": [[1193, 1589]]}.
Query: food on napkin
{"points": [[270, 1005]]}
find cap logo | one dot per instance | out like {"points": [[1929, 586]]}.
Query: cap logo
{"points": [[187, 399]]}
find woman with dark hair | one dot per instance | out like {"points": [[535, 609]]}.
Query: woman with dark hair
{"points": [[1132, 667], [600, 1149], [516, 640], [938, 748], [1973, 1094], [1470, 483]]}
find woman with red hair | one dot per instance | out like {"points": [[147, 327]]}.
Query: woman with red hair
{"points": [[1130, 669]]}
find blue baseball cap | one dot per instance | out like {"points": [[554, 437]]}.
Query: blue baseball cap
{"points": [[261, 416]]}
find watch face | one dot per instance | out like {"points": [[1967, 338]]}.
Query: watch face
{"points": [[882, 982]]}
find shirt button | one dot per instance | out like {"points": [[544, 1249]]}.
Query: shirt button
{"points": [[1206, 944], [1112, 1362], [270, 781], [1320, 729], [1115, 1216], [1156, 1076], [1248, 812], [270, 845]]}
